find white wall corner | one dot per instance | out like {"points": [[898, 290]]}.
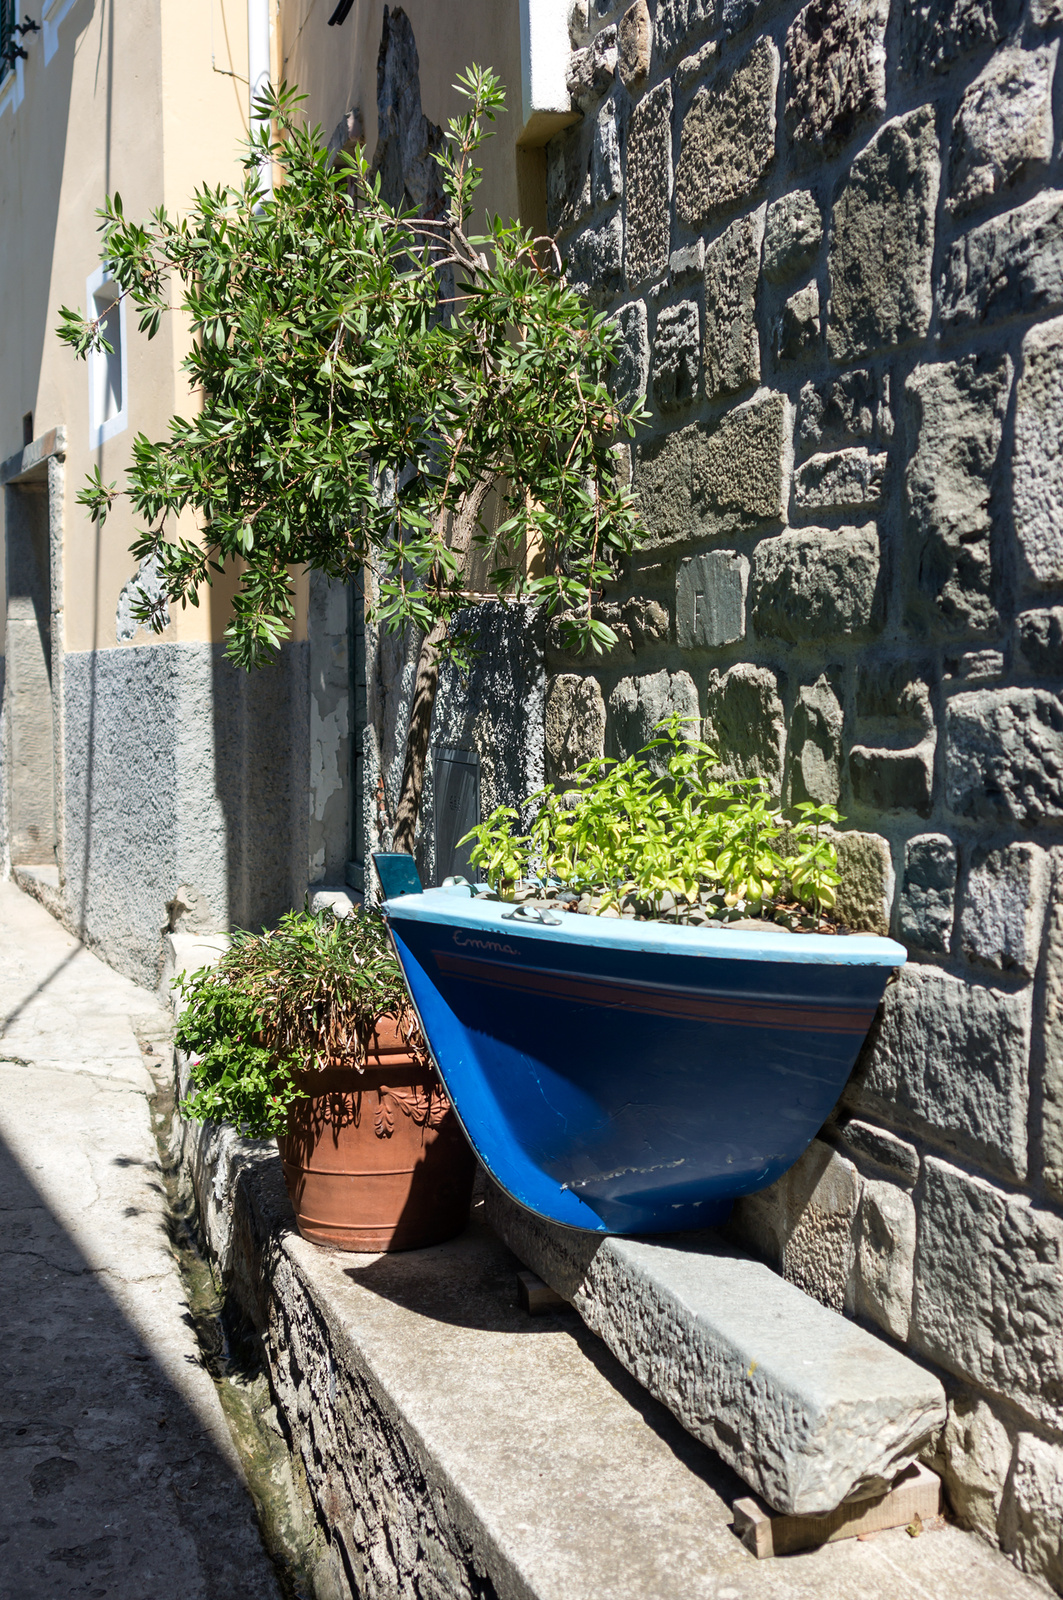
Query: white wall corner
{"points": [[54, 12], [546, 105], [13, 89]]}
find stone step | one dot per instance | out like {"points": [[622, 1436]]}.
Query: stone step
{"points": [[809, 1409], [457, 1447]]}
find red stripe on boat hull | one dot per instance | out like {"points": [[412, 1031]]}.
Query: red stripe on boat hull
{"points": [[653, 999]]}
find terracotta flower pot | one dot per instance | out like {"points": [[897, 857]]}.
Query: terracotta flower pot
{"points": [[377, 1160]]}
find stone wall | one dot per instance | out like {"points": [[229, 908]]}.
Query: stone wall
{"points": [[832, 241]]}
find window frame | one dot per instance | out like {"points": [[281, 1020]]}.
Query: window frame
{"points": [[100, 430]]}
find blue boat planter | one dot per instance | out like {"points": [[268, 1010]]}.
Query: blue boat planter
{"points": [[631, 1077]]}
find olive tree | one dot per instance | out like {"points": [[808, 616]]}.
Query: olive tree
{"points": [[367, 378]]}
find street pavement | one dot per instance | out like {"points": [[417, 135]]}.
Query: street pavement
{"points": [[118, 1476]]}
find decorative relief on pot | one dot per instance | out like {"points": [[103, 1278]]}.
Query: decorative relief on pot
{"points": [[426, 1109]]}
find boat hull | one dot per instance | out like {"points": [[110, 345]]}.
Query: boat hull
{"points": [[634, 1078]]}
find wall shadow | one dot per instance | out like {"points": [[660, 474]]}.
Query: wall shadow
{"points": [[109, 1483], [471, 1283]]}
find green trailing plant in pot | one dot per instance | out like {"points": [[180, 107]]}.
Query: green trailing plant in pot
{"points": [[661, 835], [305, 1034]]}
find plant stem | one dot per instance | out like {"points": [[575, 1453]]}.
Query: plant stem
{"points": [[417, 737]]}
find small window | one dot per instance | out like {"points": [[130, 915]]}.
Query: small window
{"points": [[107, 369]]}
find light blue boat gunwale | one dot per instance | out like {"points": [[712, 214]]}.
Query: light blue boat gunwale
{"points": [[458, 909]]}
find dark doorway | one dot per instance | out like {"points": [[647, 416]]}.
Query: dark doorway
{"points": [[30, 758]]}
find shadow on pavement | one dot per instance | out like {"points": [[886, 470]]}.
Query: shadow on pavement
{"points": [[110, 1485]]}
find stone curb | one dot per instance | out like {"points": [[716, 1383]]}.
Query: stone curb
{"points": [[808, 1408]]}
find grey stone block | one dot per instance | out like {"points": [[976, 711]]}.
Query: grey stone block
{"points": [[840, 411], [1030, 1513], [687, 264], [815, 744], [927, 902], [934, 33], [812, 583], [804, 1224], [744, 723], [646, 622], [738, 465], [606, 180], [836, 71], [672, 27], [1010, 266], [594, 259], [732, 267], [637, 624], [635, 44], [1004, 755], [893, 780], [633, 353], [1003, 131], [989, 1289], [1003, 908], [884, 1267], [958, 413], [637, 705], [974, 1458], [955, 1054], [662, 482], [575, 724], [1039, 641], [841, 480], [591, 71], [882, 1147], [710, 599], [1037, 472], [976, 665], [728, 137], [882, 241], [693, 68], [734, 16], [865, 893], [1049, 1045], [893, 697], [793, 233], [568, 179], [803, 1404], [676, 355], [579, 23], [649, 185], [798, 329]]}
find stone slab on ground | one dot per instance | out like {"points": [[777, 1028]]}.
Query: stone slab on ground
{"points": [[807, 1407], [118, 1475], [458, 1447]]}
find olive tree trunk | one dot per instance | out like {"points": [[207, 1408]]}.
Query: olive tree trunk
{"points": [[426, 684]]}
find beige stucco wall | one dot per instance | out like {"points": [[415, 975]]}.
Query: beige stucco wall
{"points": [[130, 102]]}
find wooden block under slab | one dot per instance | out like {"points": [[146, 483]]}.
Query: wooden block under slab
{"points": [[916, 1493], [535, 1296]]}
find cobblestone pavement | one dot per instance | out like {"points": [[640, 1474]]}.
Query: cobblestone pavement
{"points": [[118, 1476]]}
